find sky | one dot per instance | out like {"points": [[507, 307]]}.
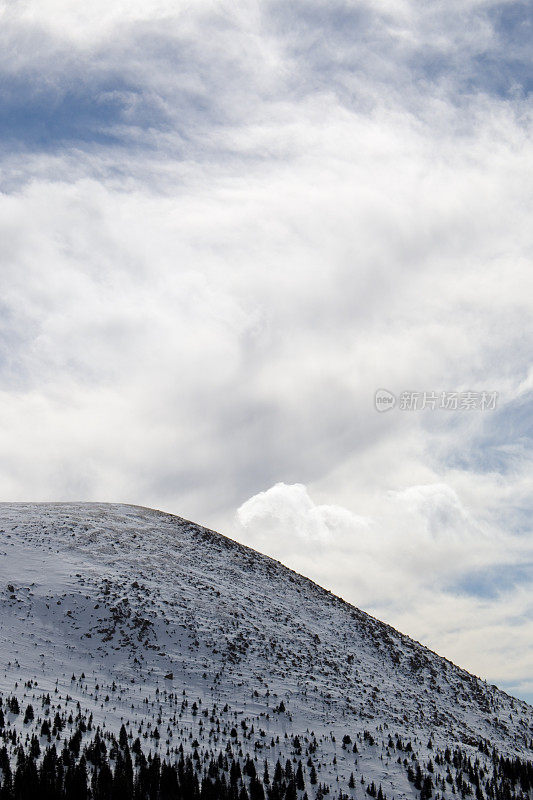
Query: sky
{"points": [[224, 226]]}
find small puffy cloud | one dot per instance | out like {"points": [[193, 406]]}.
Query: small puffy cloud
{"points": [[285, 518]]}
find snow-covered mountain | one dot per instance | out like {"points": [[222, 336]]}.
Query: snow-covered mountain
{"points": [[146, 620]]}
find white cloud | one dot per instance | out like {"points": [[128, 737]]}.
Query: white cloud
{"points": [[422, 535], [422, 563], [285, 515], [223, 226]]}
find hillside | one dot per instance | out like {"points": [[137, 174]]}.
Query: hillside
{"points": [[146, 620]]}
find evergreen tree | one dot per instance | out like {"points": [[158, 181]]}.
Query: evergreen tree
{"points": [[427, 788], [300, 783], [6, 789], [168, 785]]}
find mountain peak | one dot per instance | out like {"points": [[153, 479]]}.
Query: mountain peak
{"points": [[160, 606]]}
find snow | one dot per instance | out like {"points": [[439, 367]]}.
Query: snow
{"points": [[130, 595]]}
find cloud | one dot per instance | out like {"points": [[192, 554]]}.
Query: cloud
{"points": [[223, 227], [422, 562], [288, 513], [422, 534]]}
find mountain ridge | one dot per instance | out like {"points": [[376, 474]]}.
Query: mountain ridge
{"points": [[155, 604], [211, 532]]}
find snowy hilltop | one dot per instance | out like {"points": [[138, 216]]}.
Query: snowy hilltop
{"points": [[133, 640]]}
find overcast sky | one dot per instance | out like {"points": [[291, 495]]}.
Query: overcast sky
{"points": [[223, 227]]}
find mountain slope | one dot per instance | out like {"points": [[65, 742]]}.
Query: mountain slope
{"points": [[163, 607]]}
